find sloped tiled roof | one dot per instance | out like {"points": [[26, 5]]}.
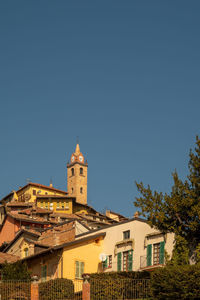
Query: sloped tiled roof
{"points": [[42, 186], [8, 257]]}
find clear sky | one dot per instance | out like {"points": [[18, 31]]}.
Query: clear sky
{"points": [[121, 75]]}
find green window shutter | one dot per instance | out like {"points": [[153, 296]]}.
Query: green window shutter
{"points": [[105, 263], [119, 261], [77, 269], [44, 273], [149, 254], [162, 253], [82, 268], [130, 260]]}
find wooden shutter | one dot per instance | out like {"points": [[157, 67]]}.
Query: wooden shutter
{"points": [[162, 253], [82, 269], [44, 273], [149, 254], [119, 261], [105, 263], [77, 269], [130, 260]]}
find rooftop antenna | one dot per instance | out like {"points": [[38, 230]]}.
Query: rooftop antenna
{"points": [[28, 180], [51, 182]]}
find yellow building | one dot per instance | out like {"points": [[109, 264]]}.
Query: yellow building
{"points": [[29, 193], [69, 260], [63, 204]]}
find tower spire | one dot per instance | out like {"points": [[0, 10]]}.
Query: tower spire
{"points": [[77, 152]]}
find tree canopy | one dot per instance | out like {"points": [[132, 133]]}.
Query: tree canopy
{"points": [[15, 271], [178, 211]]}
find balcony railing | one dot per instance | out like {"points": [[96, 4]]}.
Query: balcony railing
{"points": [[148, 262]]}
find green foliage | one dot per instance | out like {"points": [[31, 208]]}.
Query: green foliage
{"points": [[15, 290], [176, 282], [56, 289], [121, 275], [179, 211], [180, 254], [15, 271], [119, 285], [198, 254]]}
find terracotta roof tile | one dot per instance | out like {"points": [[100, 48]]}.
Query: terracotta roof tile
{"points": [[8, 257], [42, 186], [23, 217], [16, 203]]}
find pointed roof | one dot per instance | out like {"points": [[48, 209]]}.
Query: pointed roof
{"points": [[77, 156], [77, 151]]}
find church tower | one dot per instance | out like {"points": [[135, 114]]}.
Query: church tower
{"points": [[77, 177]]}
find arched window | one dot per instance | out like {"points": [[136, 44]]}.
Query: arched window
{"points": [[81, 171], [81, 190], [72, 171], [26, 252], [72, 190]]}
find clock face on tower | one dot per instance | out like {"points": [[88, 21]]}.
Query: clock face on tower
{"points": [[72, 159], [81, 158]]}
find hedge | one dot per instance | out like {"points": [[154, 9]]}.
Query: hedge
{"points": [[119, 285], [121, 275], [15, 290], [176, 282], [56, 289]]}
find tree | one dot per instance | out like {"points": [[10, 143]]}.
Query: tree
{"points": [[178, 211], [15, 271]]}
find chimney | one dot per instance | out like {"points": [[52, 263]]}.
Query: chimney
{"points": [[136, 214]]}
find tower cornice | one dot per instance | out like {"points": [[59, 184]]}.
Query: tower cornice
{"points": [[69, 165]]}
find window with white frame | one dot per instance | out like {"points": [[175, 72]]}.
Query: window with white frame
{"points": [[79, 269]]}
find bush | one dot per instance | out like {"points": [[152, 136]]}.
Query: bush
{"points": [[121, 275], [176, 282], [56, 289], [15, 290], [119, 285], [15, 271]]}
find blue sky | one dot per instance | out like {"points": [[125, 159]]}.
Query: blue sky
{"points": [[121, 75]]}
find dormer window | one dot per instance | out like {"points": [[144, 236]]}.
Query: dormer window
{"points": [[26, 252], [81, 171], [126, 235], [72, 171]]}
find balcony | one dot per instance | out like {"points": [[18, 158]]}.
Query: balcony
{"points": [[149, 262]]}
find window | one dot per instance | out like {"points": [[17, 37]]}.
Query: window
{"points": [[81, 190], [46, 205], [72, 190], [81, 171], [63, 205], [158, 254], [79, 265], [41, 204], [44, 273], [34, 192], [67, 205], [25, 252], [110, 261], [72, 171], [58, 204], [126, 235], [125, 260], [51, 206]]}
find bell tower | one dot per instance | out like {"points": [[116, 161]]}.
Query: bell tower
{"points": [[77, 176]]}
